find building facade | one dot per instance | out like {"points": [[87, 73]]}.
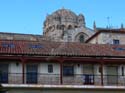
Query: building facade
{"points": [[108, 36], [68, 57]]}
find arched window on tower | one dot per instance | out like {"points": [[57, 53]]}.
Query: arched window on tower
{"points": [[75, 26], [58, 27], [80, 20], [62, 27], [69, 27], [81, 38]]}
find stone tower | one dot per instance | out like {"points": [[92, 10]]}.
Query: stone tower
{"points": [[60, 25]]}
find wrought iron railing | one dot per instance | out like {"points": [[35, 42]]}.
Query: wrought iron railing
{"points": [[56, 79]]}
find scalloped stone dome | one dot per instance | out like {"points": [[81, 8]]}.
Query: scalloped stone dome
{"points": [[64, 13]]}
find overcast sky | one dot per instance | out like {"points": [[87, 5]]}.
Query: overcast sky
{"points": [[27, 16]]}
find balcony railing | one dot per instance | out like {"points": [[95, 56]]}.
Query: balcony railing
{"points": [[55, 79]]}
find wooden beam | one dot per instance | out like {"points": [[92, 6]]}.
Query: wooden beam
{"points": [[61, 73], [102, 73], [85, 60], [61, 60], [23, 69]]}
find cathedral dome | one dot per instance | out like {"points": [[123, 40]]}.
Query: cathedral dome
{"points": [[64, 13], [59, 22]]}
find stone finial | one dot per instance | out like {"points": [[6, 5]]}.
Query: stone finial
{"points": [[81, 20], [94, 26]]}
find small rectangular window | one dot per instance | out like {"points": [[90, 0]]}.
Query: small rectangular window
{"points": [[116, 42], [8, 45], [35, 46], [68, 71], [50, 68]]}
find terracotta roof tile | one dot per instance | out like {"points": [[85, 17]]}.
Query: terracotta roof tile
{"points": [[62, 49]]}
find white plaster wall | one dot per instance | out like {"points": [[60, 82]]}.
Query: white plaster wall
{"points": [[78, 69], [96, 69], [15, 67], [15, 73], [119, 69], [97, 75], [43, 68]]}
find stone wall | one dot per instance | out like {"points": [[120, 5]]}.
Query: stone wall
{"points": [[107, 38]]}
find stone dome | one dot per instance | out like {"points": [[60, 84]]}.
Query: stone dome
{"points": [[64, 13], [60, 21]]}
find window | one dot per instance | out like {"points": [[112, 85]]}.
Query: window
{"points": [[62, 27], [81, 38], [88, 79], [35, 46], [50, 68], [76, 26], [3, 73], [69, 27], [116, 42], [68, 70], [8, 45], [119, 49], [31, 73], [80, 20]]}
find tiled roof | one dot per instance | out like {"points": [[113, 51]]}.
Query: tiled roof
{"points": [[45, 48]]}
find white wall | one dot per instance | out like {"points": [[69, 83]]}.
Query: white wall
{"points": [[15, 67], [78, 68], [43, 68]]}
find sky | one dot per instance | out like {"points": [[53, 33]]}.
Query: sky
{"points": [[27, 16]]}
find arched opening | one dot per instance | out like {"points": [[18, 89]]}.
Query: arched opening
{"points": [[69, 27], [81, 38], [57, 18], [76, 26], [50, 27], [62, 27], [58, 27], [80, 20]]}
